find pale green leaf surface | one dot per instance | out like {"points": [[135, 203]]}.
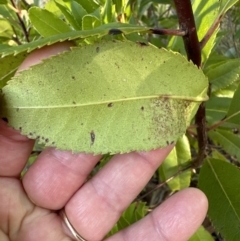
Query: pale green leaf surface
{"points": [[179, 156], [109, 97], [220, 181], [233, 114], [224, 75], [229, 141], [46, 23], [98, 32], [201, 235]]}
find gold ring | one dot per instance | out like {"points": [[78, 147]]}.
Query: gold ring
{"points": [[70, 227]]}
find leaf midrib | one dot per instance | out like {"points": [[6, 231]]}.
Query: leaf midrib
{"points": [[223, 190], [196, 99]]}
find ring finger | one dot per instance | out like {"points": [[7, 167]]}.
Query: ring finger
{"points": [[96, 207]]}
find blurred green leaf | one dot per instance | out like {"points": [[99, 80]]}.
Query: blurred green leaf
{"points": [[174, 162], [3, 1], [9, 66], [107, 12], [234, 109], [6, 30], [65, 8], [229, 141], [201, 235], [216, 108], [132, 214], [46, 23], [90, 22], [220, 181], [225, 5], [78, 13], [224, 74], [89, 5]]}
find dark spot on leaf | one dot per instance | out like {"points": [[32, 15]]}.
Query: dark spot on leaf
{"points": [[47, 140], [172, 142], [90, 72], [17, 109], [141, 43], [53, 143], [73, 77], [167, 142], [5, 119], [92, 137], [43, 138], [97, 49], [81, 124], [117, 65], [142, 108], [30, 134], [110, 105], [114, 31], [235, 131], [38, 137], [74, 102]]}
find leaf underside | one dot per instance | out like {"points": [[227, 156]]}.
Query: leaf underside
{"points": [[110, 97]]}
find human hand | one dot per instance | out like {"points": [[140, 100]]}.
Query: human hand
{"points": [[57, 180]]}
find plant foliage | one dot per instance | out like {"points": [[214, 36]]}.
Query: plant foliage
{"points": [[118, 41]]}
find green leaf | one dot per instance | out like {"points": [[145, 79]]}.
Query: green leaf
{"points": [[46, 23], [3, 1], [107, 12], [233, 115], [89, 5], [224, 75], [216, 108], [174, 162], [5, 29], [90, 22], [225, 5], [229, 141], [132, 214], [65, 8], [205, 13], [99, 32], [201, 235], [9, 66], [78, 13], [109, 97], [220, 181]]}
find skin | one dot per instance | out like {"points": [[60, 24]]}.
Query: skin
{"points": [[57, 179]]}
